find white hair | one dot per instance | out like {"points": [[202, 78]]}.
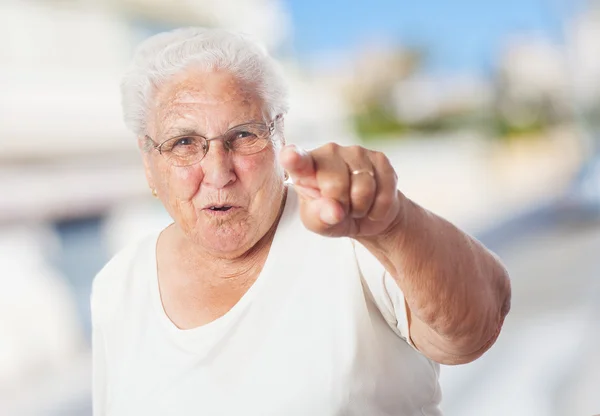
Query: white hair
{"points": [[163, 55]]}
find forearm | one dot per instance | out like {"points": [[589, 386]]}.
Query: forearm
{"points": [[451, 283]]}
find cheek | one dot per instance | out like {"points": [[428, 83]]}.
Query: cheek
{"points": [[182, 183], [248, 167], [257, 169], [261, 178]]}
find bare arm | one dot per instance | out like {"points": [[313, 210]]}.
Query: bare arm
{"points": [[457, 292]]}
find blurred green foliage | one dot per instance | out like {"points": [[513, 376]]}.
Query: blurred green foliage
{"points": [[375, 121]]}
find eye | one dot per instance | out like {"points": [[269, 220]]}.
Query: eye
{"points": [[243, 134], [184, 141], [183, 145]]}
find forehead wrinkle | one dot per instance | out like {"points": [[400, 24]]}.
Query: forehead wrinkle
{"points": [[185, 119], [190, 101], [187, 103], [216, 86]]}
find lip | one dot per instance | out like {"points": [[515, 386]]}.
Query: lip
{"points": [[209, 206], [231, 210]]}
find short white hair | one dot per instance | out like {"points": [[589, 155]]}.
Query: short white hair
{"points": [[163, 55]]}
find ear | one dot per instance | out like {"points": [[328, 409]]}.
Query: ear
{"points": [[146, 154]]}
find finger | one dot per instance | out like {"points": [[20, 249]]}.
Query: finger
{"points": [[333, 178], [299, 164], [322, 214], [362, 190], [362, 180], [386, 201]]}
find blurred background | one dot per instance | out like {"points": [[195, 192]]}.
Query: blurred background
{"points": [[490, 112]]}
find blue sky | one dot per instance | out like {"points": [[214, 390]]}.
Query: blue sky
{"points": [[459, 35]]}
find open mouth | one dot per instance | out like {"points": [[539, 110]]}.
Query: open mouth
{"points": [[220, 208]]}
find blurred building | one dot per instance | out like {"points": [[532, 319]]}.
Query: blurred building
{"points": [[375, 67], [61, 134], [266, 20], [582, 48], [423, 98], [532, 82], [64, 150]]}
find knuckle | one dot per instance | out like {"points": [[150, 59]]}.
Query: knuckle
{"points": [[356, 150], [333, 186], [331, 147], [385, 200], [362, 192], [380, 158]]}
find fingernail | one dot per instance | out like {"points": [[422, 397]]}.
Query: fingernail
{"points": [[328, 216], [292, 147]]}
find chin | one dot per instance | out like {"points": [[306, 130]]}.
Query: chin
{"points": [[224, 238], [224, 242]]}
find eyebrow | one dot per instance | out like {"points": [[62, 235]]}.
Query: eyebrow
{"points": [[181, 131], [246, 122], [187, 131]]}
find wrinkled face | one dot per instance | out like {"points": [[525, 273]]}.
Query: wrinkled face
{"points": [[247, 190]]}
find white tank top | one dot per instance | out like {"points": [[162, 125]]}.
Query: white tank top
{"points": [[323, 331]]}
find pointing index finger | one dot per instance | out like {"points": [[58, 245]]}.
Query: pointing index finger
{"points": [[297, 162]]}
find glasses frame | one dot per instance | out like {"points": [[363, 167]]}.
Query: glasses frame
{"points": [[158, 146]]}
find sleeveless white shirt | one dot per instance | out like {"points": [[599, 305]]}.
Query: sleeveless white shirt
{"points": [[322, 331]]}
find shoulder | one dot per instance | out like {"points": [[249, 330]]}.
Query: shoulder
{"points": [[111, 283]]}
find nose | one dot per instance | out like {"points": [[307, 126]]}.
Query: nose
{"points": [[218, 166]]}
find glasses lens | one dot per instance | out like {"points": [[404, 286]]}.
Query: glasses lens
{"points": [[248, 139], [184, 151]]}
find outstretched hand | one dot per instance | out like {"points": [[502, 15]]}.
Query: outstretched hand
{"points": [[344, 191]]}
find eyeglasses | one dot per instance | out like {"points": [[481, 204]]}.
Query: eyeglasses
{"points": [[245, 139]]}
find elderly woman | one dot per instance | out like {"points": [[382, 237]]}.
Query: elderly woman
{"points": [[336, 295]]}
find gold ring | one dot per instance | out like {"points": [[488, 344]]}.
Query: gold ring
{"points": [[359, 171]]}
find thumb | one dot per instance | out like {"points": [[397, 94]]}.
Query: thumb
{"points": [[319, 215]]}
